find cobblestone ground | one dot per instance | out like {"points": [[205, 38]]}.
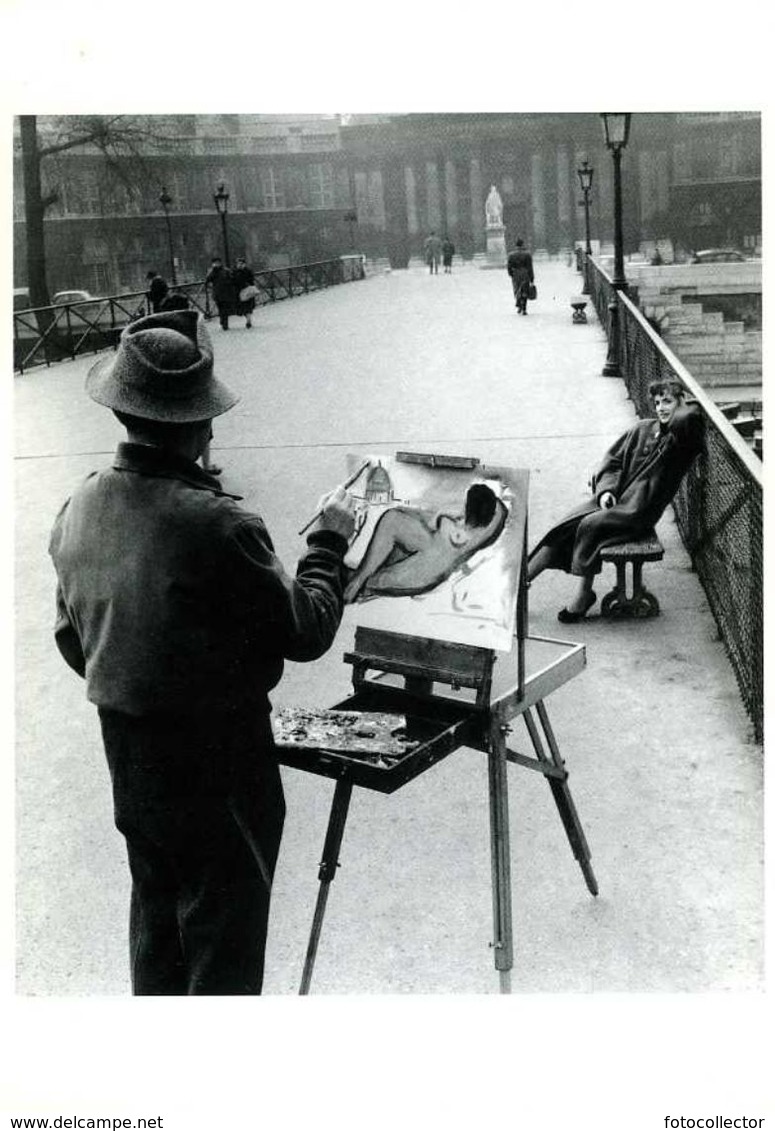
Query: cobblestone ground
{"points": [[663, 772]]}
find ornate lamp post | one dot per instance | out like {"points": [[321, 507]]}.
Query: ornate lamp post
{"points": [[221, 198], [166, 200], [585, 174], [616, 128]]}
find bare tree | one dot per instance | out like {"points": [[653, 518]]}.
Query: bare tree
{"points": [[122, 140]]}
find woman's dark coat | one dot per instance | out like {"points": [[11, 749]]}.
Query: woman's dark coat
{"points": [[243, 277], [643, 471]]}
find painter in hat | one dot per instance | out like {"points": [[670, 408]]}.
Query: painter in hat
{"points": [[174, 608]]}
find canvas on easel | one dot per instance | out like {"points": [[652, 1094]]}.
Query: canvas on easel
{"points": [[439, 548]]}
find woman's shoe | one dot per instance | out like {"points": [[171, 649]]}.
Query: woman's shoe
{"points": [[567, 617]]}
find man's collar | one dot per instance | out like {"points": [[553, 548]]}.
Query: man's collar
{"points": [[147, 459]]}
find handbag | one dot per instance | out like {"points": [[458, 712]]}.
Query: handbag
{"points": [[247, 293], [532, 292]]}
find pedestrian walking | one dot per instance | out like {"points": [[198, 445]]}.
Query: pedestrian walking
{"points": [[173, 606], [157, 291], [638, 477], [447, 252], [245, 286], [221, 283], [520, 267], [433, 253]]}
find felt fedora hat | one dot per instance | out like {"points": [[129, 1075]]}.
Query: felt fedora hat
{"points": [[162, 370]]}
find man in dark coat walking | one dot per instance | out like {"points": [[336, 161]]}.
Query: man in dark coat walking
{"points": [[220, 281], [520, 267], [172, 605]]}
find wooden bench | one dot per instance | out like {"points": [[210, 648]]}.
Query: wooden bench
{"points": [[642, 603], [578, 305]]}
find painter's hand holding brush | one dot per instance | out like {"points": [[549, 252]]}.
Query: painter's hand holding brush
{"points": [[336, 512]]}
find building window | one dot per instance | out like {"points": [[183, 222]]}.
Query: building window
{"points": [[321, 186], [272, 192], [83, 196], [702, 213], [100, 279]]}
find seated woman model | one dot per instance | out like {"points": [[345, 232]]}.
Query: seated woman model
{"points": [[638, 477]]}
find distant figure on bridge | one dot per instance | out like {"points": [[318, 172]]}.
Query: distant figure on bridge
{"points": [[157, 291], [245, 285], [447, 253], [433, 253], [413, 550], [637, 479], [174, 608], [220, 281], [520, 267]]}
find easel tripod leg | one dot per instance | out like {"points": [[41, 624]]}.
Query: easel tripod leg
{"points": [[328, 866], [500, 850], [561, 793]]}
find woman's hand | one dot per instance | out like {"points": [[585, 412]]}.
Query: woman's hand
{"points": [[607, 500]]}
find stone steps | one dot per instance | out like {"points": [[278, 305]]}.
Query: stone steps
{"points": [[716, 352]]}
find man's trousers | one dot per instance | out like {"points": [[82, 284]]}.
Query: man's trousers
{"points": [[201, 807]]}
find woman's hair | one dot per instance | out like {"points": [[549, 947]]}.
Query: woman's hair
{"points": [[480, 505], [670, 385]]}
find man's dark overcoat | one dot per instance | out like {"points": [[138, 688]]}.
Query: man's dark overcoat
{"points": [[173, 606], [643, 471]]}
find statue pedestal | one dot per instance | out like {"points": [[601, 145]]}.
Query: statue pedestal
{"points": [[496, 248]]}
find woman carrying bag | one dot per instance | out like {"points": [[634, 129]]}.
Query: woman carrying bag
{"points": [[247, 291]]}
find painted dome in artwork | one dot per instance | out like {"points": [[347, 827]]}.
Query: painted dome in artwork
{"points": [[379, 488]]}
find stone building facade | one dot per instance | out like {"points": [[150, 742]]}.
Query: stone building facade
{"points": [[305, 188]]}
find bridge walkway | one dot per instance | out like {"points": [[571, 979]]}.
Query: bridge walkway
{"points": [[665, 777]]}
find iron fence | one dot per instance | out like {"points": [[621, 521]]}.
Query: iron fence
{"points": [[44, 335], [719, 504]]}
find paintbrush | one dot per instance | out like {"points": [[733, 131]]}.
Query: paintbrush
{"points": [[345, 485]]}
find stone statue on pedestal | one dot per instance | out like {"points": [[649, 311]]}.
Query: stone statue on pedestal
{"points": [[493, 208]]}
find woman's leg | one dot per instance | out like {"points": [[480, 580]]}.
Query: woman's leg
{"points": [[583, 598]]}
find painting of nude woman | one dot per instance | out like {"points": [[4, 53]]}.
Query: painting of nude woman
{"points": [[437, 550]]}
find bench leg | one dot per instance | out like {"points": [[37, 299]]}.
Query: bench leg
{"points": [[642, 603]]}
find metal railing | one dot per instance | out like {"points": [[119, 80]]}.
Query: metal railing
{"points": [[48, 334], [719, 503]]}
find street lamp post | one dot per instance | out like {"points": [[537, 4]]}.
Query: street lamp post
{"points": [[616, 129], [585, 174], [221, 198], [166, 200]]}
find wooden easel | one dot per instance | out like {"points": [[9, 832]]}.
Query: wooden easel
{"points": [[454, 695], [480, 719]]}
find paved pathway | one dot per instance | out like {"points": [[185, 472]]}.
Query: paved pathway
{"points": [[666, 780]]}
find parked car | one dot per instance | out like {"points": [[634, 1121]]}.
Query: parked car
{"points": [[63, 298], [718, 255], [21, 298]]}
